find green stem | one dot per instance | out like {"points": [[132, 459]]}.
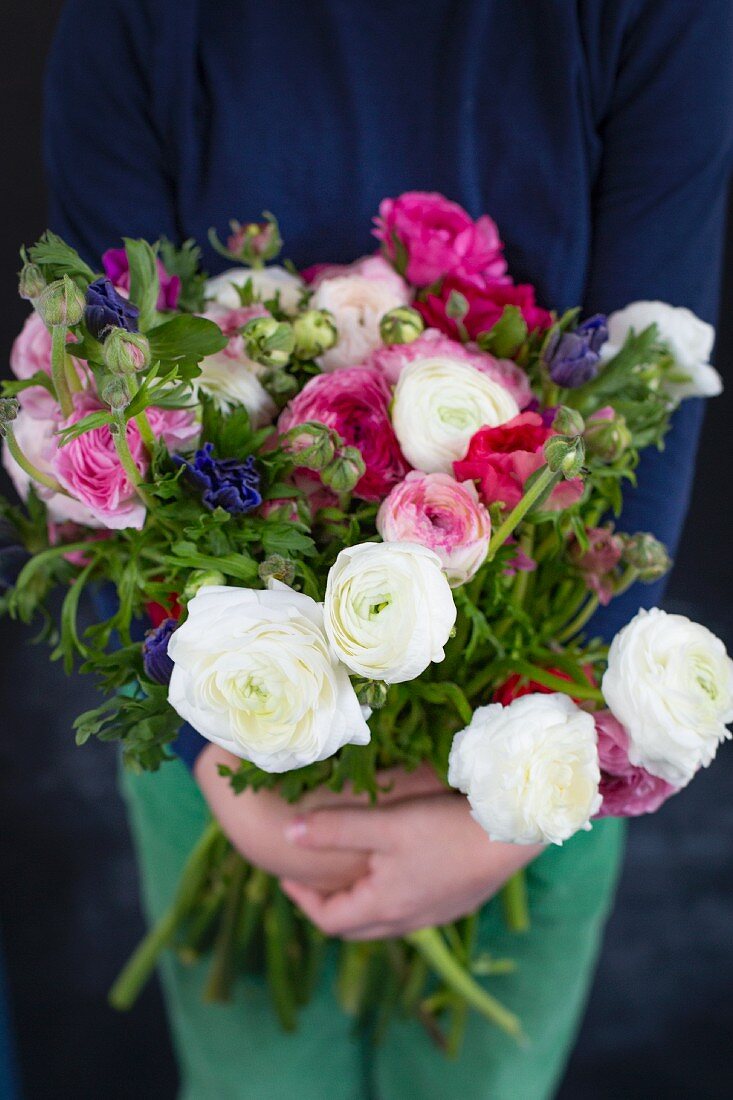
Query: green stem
{"points": [[126, 460], [431, 945], [58, 369], [577, 623], [146, 432], [221, 976], [546, 480], [514, 903], [72, 377], [25, 464], [140, 966], [519, 588], [547, 679]]}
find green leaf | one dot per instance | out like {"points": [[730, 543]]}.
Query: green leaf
{"points": [[444, 692], [185, 262], [57, 258], [504, 338], [86, 424], [144, 282], [185, 340]]}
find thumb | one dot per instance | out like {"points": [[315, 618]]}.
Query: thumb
{"points": [[360, 828]]}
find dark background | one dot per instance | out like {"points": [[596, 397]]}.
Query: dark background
{"points": [[659, 1019]]}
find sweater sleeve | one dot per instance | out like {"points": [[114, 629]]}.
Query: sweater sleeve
{"points": [[104, 155], [658, 223]]}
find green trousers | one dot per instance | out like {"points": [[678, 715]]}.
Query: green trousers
{"points": [[238, 1052]]}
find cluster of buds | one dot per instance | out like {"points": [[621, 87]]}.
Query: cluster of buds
{"points": [[401, 325], [647, 555], [606, 435], [61, 303], [277, 568], [269, 342], [250, 243], [371, 693], [314, 332], [31, 282], [126, 352], [565, 455]]}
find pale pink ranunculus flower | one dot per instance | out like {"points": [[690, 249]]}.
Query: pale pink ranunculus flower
{"points": [[31, 353], [442, 514], [89, 468], [439, 238], [38, 441], [178, 428], [393, 358], [627, 789], [358, 298]]}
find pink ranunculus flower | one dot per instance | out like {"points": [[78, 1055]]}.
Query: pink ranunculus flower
{"points": [[38, 441], [486, 299], [442, 514], [31, 353], [117, 270], [358, 296], [89, 468], [392, 359], [439, 238], [627, 790], [598, 561], [355, 403], [501, 460], [178, 428]]}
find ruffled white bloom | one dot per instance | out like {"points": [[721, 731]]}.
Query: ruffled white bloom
{"points": [[253, 673], [669, 682], [530, 770], [266, 283], [229, 381], [38, 441], [439, 404], [358, 301], [389, 610], [690, 342]]}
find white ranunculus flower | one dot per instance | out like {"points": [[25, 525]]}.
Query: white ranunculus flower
{"points": [[230, 381], [669, 682], [389, 610], [253, 672], [266, 283], [358, 303], [530, 770], [37, 440], [439, 403], [689, 340]]}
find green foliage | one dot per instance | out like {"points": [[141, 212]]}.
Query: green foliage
{"points": [[185, 262], [144, 282]]}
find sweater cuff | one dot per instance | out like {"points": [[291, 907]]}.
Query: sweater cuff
{"points": [[188, 745]]}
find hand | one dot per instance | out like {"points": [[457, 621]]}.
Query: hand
{"points": [[255, 822], [428, 863]]}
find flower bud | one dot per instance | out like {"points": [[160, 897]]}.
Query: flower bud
{"points": [[314, 332], [568, 422], [343, 474], [268, 341], [607, 438], [126, 352], [647, 555], [115, 392], [31, 282], [280, 385], [564, 455], [313, 445], [372, 693], [276, 567], [401, 325], [8, 412], [202, 578], [61, 303], [254, 242]]}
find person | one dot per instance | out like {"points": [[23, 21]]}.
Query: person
{"points": [[598, 135]]}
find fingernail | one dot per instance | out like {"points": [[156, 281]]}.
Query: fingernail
{"points": [[296, 829]]}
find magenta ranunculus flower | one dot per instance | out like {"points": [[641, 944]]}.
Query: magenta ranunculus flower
{"points": [[486, 299], [31, 353], [442, 514], [627, 790], [598, 562], [89, 468], [117, 270], [354, 401], [392, 358], [439, 238]]}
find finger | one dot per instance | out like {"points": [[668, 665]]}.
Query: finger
{"points": [[340, 914], [396, 783], [364, 830]]}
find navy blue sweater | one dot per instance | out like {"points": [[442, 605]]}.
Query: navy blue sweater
{"points": [[597, 133]]}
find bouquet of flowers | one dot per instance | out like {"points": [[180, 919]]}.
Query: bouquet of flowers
{"points": [[351, 519]]}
